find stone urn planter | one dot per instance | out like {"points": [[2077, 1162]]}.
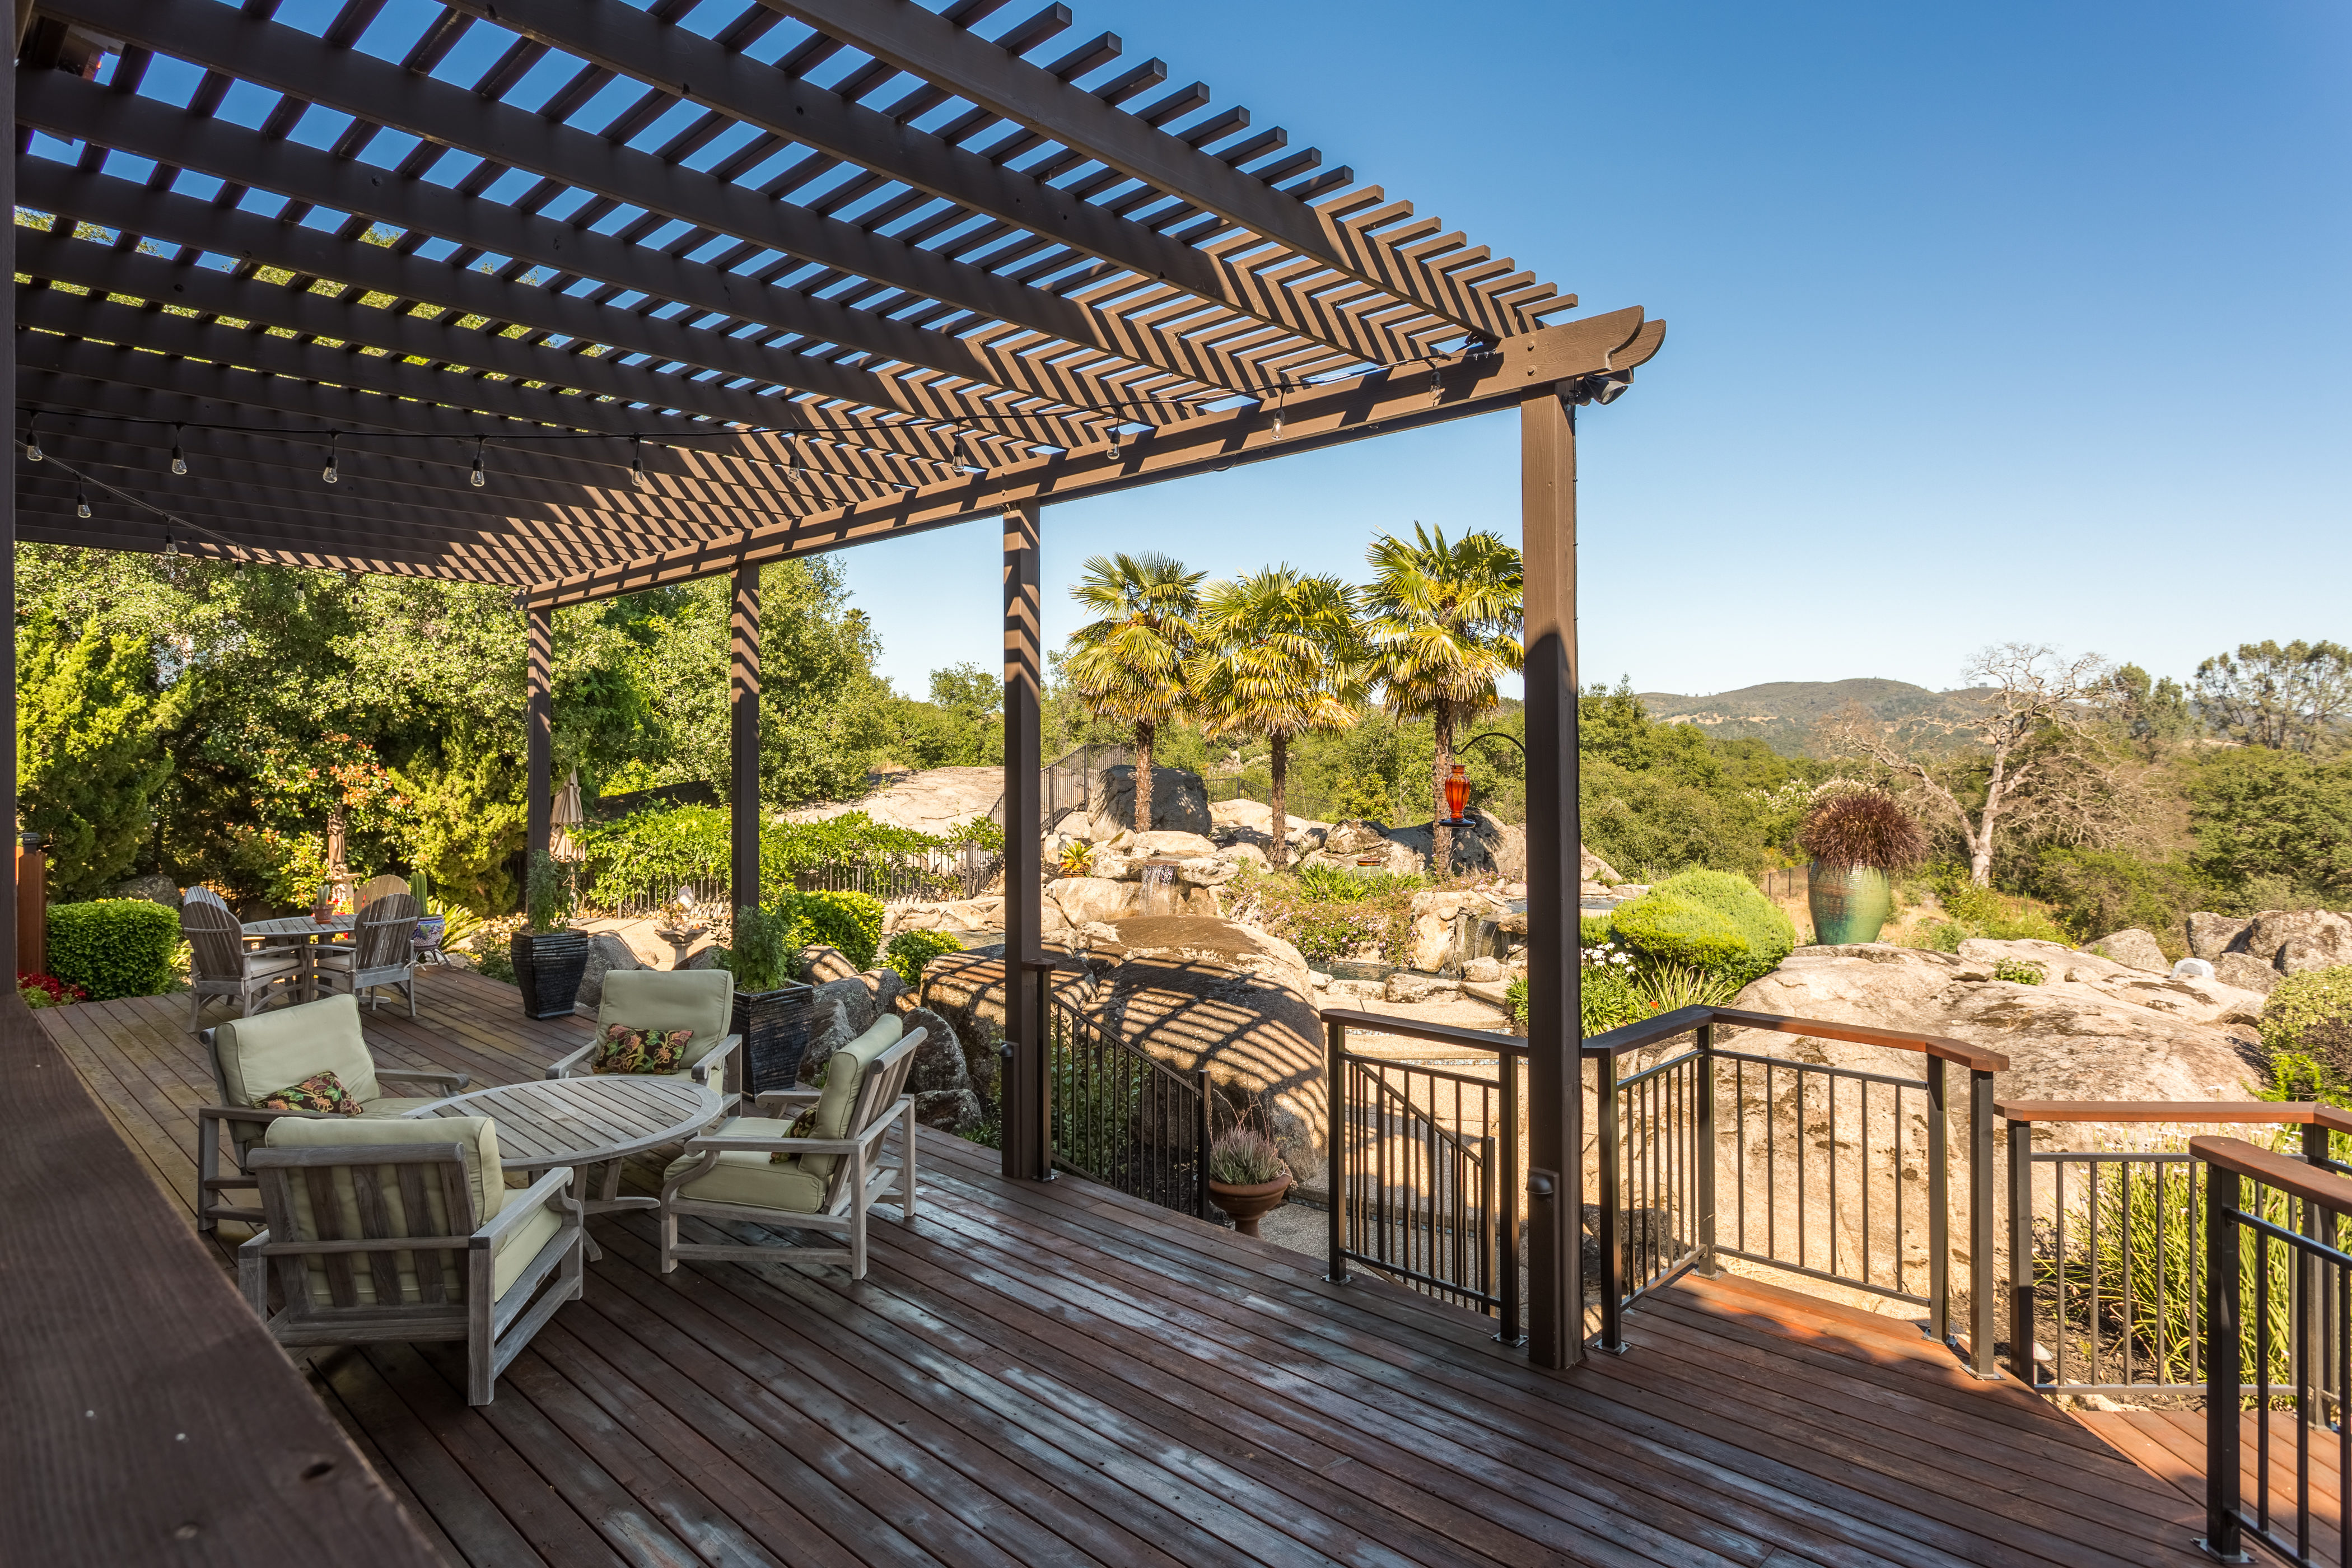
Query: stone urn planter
{"points": [[548, 968], [1248, 1205], [1849, 903]]}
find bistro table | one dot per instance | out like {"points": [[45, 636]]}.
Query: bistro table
{"points": [[303, 931], [586, 1122]]}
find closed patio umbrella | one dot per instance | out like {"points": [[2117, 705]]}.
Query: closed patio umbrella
{"points": [[567, 815]]}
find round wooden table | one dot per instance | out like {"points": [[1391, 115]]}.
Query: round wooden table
{"points": [[587, 1122]]}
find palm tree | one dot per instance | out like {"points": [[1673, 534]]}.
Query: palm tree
{"points": [[1128, 663], [1279, 656], [1443, 623]]}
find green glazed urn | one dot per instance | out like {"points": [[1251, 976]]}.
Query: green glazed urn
{"points": [[1850, 903]]}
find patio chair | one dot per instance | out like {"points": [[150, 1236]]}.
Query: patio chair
{"points": [[826, 1181], [220, 964], [382, 886], [379, 953], [405, 1231], [254, 1057], [702, 1000]]}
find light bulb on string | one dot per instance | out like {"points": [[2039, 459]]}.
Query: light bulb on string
{"points": [[32, 441], [1277, 412], [171, 547], [333, 472], [179, 457], [476, 479], [82, 503], [638, 462]]}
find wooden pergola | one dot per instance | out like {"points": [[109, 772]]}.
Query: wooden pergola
{"points": [[580, 298]]}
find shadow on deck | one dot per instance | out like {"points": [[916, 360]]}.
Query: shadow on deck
{"points": [[1055, 1373]]}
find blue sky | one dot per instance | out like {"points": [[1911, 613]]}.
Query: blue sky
{"points": [[1987, 324]]}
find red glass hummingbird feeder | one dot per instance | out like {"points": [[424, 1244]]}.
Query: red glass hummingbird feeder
{"points": [[1457, 797]]}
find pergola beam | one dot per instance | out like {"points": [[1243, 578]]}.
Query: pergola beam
{"points": [[1321, 416]]}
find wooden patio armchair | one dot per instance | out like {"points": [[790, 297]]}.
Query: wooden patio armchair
{"points": [[254, 1057], [701, 999], [404, 1230], [825, 1181], [220, 964], [380, 951]]}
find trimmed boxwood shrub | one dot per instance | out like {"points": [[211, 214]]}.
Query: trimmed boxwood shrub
{"points": [[910, 949], [850, 923], [1711, 921], [113, 947]]}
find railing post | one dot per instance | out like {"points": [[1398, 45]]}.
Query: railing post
{"points": [[2224, 1375], [1940, 1217], [1201, 1137], [1335, 1105], [2020, 1253], [2315, 1331], [1514, 1331], [1984, 1296], [1612, 1226], [1705, 1219]]}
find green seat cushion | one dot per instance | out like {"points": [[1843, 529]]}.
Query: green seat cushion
{"points": [[260, 1055], [748, 1177], [478, 1133], [843, 1075], [702, 1000]]}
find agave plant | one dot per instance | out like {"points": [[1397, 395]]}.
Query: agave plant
{"points": [[1245, 1157]]}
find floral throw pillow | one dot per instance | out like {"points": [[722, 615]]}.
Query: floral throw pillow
{"points": [[623, 1049], [322, 1091], [803, 1126]]}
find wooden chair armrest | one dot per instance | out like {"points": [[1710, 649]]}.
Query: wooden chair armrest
{"points": [[719, 1142], [562, 1066], [788, 1096], [716, 1057], [555, 1185], [453, 1082], [251, 1113]]}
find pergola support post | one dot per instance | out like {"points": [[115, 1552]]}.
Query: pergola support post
{"points": [[539, 733], [1555, 839], [743, 762], [1024, 1110], [10, 934]]}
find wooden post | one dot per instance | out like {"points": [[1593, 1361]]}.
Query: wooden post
{"points": [[743, 713], [9, 932], [1024, 1089], [539, 731], [32, 907], [1555, 836]]}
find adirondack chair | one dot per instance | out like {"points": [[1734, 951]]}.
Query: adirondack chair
{"points": [[382, 886], [220, 964], [404, 1230], [827, 1180], [252, 1058], [379, 953]]}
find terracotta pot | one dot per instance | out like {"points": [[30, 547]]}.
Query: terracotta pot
{"points": [[1247, 1204], [1850, 903]]}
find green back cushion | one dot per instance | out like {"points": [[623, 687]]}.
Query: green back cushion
{"points": [[843, 1075], [261, 1055], [702, 1000], [478, 1133]]}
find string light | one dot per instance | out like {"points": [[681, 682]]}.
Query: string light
{"points": [[333, 472], [32, 441], [476, 480], [179, 457], [1277, 412], [171, 547], [637, 462], [82, 503]]}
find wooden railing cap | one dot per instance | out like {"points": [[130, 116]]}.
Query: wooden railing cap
{"points": [[2284, 1172], [2214, 1112]]}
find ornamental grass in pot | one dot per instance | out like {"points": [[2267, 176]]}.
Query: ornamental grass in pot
{"points": [[1859, 839], [1247, 1178], [550, 958], [772, 1013]]}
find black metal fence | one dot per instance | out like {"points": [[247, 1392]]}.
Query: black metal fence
{"points": [[907, 876], [1424, 1165], [1120, 1116]]}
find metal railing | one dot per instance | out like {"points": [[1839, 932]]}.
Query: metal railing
{"points": [[1821, 1148], [1424, 1162], [2276, 1225], [1120, 1116], [2106, 1281], [1426, 1166], [906, 876]]}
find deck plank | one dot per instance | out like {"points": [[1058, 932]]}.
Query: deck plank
{"points": [[1053, 1372]]}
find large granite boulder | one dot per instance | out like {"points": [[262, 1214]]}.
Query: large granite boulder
{"points": [[985, 913], [2211, 935], [1084, 899], [2247, 973], [2135, 947], [934, 800], [606, 953], [820, 965], [941, 1080], [154, 887], [1168, 844], [1445, 928], [1179, 801], [2297, 940]]}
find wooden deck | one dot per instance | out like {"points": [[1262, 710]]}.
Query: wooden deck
{"points": [[1053, 1374]]}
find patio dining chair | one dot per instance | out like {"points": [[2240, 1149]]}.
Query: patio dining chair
{"points": [[753, 1169], [404, 1230], [380, 951], [220, 964], [253, 1058]]}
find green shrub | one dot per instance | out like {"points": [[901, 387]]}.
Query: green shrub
{"points": [[2020, 972], [546, 893], [1328, 912], [647, 856], [850, 923], [2308, 1015], [910, 949], [2001, 917], [113, 947], [1709, 920], [764, 954], [2103, 890], [1594, 931], [1514, 1002]]}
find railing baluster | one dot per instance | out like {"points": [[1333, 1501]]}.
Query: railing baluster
{"points": [[2021, 1251], [1939, 1258]]}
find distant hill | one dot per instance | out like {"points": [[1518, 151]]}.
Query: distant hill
{"points": [[1783, 713]]}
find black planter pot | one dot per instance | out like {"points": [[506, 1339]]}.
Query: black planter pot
{"points": [[775, 1029], [548, 968]]}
